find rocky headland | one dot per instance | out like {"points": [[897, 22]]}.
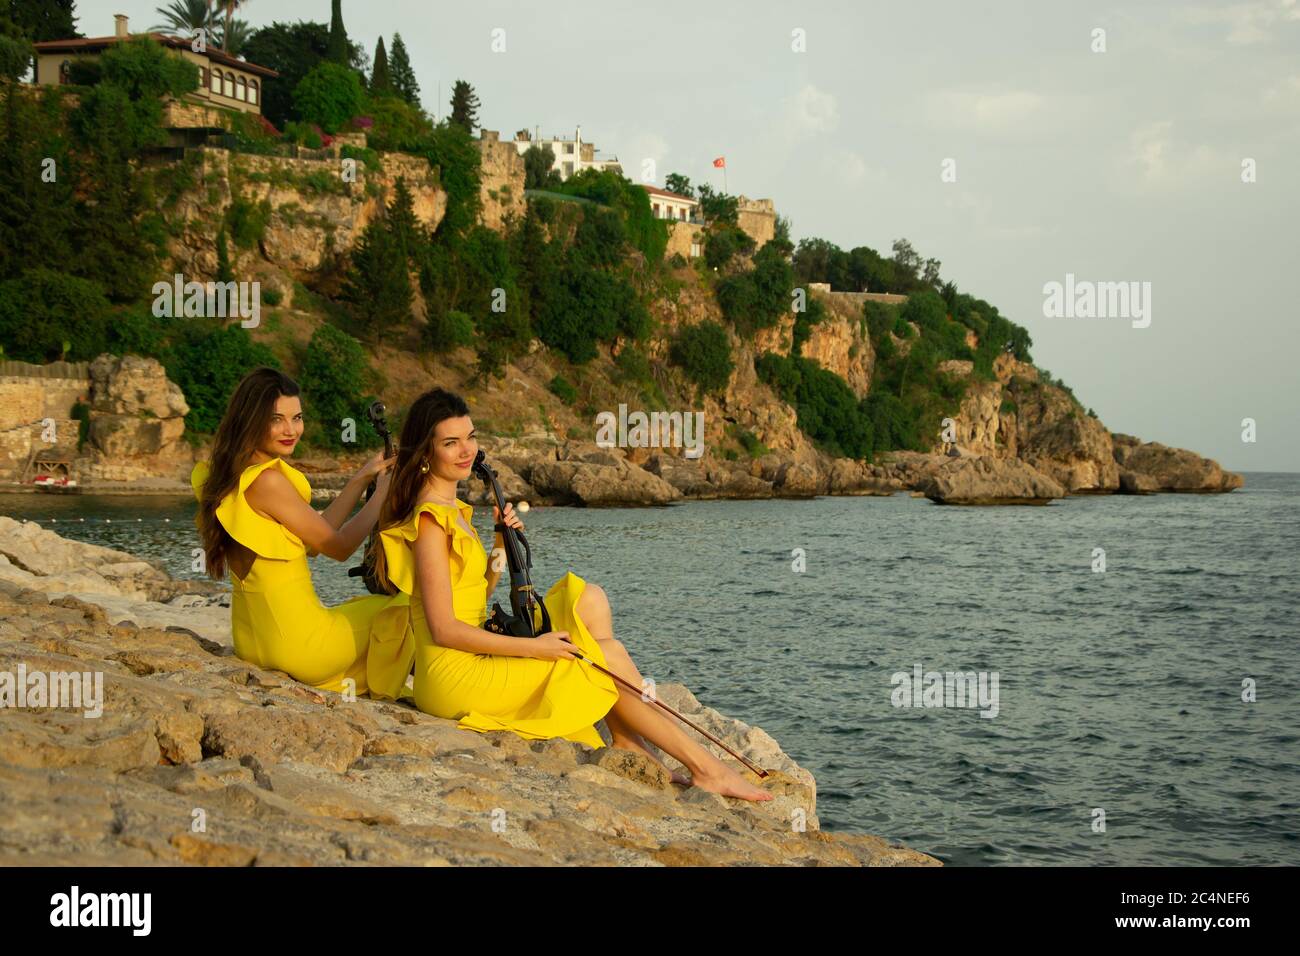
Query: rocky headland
{"points": [[196, 757]]}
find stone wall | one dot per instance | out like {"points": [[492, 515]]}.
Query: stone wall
{"points": [[502, 180], [681, 235], [757, 218], [29, 396]]}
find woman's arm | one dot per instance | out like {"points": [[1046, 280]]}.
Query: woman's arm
{"points": [[272, 494], [337, 511], [433, 571]]}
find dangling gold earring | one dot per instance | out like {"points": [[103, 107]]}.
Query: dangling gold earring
{"points": [[424, 466]]}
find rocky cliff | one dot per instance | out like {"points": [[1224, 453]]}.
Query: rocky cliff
{"points": [[196, 757], [133, 417]]}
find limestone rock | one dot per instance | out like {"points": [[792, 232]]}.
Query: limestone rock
{"points": [[988, 481], [137, 418], [1055, 436], [599, 478], [1152, 466], [282, 774]]}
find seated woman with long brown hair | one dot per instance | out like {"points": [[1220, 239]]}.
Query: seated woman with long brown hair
{"points": [[432, 560], [256, 522]]}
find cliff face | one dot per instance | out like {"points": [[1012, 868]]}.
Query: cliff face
{"points": [[310, 219], [314, 216], [1016, 417], [501, 180]]}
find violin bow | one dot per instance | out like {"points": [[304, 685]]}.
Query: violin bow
{"points": [[655, 700]]}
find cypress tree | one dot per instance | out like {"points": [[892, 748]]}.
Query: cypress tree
{"points": [[464, 106], [403, 76], [380, 78], [378, 285], [339, 49], [224, 272], [404, 226]]}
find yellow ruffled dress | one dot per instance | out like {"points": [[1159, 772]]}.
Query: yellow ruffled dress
{"points": [[276, 618], [537, 699]]}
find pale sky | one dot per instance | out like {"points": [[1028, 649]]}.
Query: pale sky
{"points": [[1115, 166]]}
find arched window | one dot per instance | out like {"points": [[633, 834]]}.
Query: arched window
{"points": [[252, 92], [230, 85], [241, 89], [216, 80]]}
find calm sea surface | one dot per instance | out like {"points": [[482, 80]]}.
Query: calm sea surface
{"points": [[1119, 691]]}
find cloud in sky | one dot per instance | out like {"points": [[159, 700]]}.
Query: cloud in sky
{"points": [[966, 109], [1258, 21]]}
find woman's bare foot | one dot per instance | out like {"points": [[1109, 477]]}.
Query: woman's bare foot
{"points": [[719, 778], [637, 745]]}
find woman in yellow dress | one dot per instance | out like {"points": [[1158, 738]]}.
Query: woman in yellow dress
{"points": [[255, 521], [433, 562]]}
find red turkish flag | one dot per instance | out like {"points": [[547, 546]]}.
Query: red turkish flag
{"points": [[720, 161]]}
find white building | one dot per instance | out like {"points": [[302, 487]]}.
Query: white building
{"points": [[571, 155], [666, 205]]}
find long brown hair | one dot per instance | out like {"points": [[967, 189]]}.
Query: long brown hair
{"points": [[242, 428], [415, 446]]}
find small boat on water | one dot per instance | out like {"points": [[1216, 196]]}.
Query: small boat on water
{"points": [[59, 485]]}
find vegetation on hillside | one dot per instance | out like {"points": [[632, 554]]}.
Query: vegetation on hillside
{"points": [[579, 269]]}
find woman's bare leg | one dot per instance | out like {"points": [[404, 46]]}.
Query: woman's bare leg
{"points": [[641, 718], [593, 608]]}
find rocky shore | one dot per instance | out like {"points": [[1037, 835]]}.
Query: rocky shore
{"points": [[1015, 439], [196, 757]]}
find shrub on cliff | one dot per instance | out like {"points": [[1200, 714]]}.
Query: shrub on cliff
{"points": [[207, 363], [562, 390], [641, 228], [813, 314], [580, 307], [880, 318], [333, 379], [828, 411], [758, 298], [329, 96], [723, 242], [449, 329], [703, 351], [46, 316]]}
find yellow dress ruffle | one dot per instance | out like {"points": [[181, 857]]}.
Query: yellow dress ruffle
{"points": [[535, 699], [276, 619]]}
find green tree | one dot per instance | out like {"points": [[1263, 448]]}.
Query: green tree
{"points": [[16, 53], [292, 50], [677, 183], [333, 373], [338, 50], [381, 83], [41, 20], [704, 353], [405, 227], [539, 171], [41, 310], [464, 106], [378, 285], [208, 361], [115, 233], [186, 18], [329, 96], [718, 207], [224, 273], [403, 76]]}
